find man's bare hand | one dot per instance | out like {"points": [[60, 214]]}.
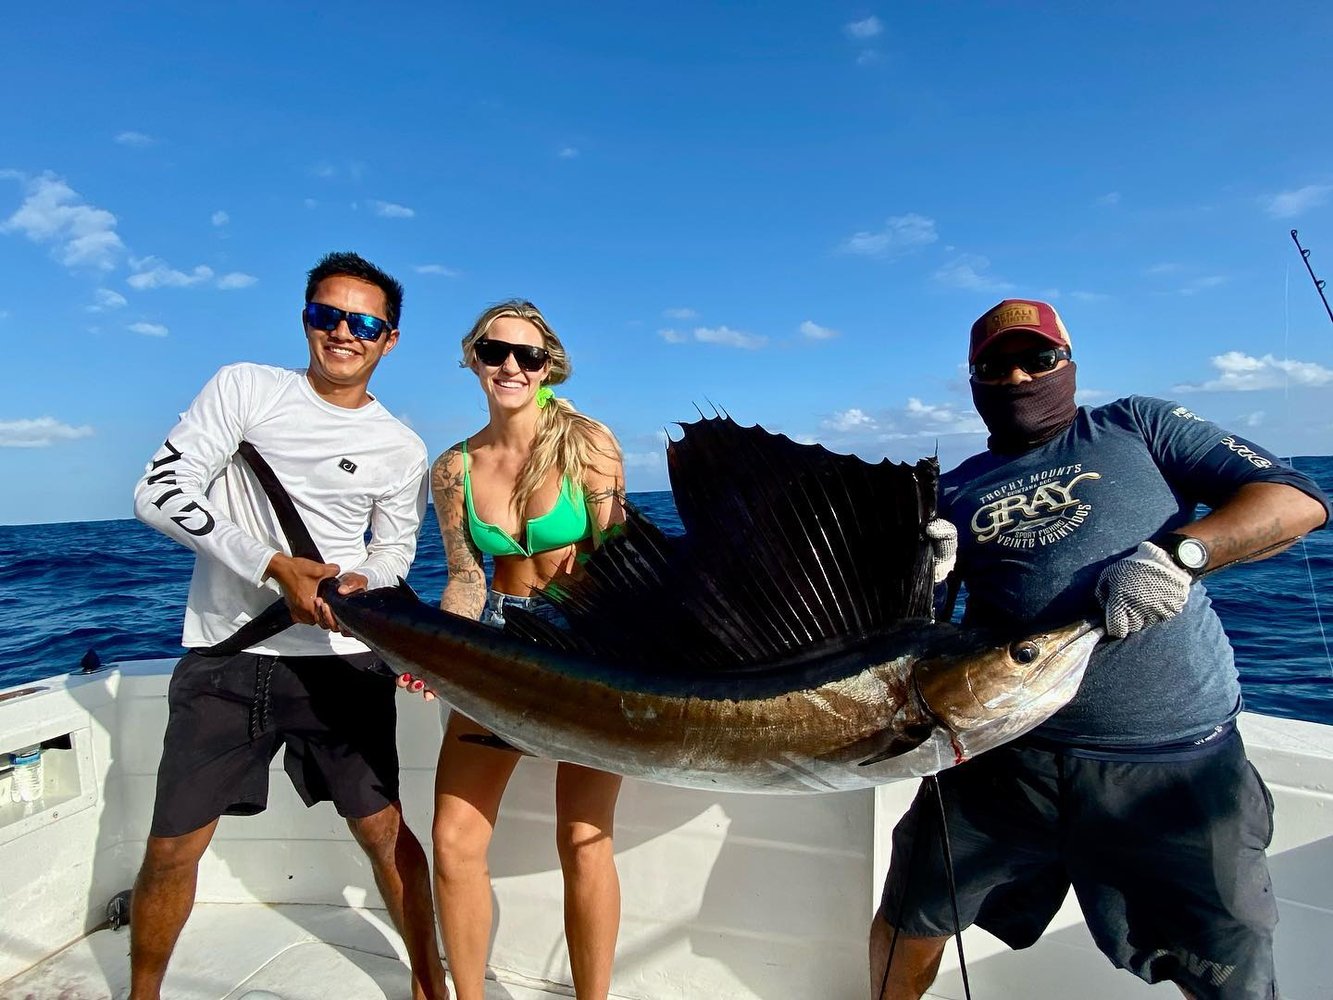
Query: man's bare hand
{"points": [[348, 583], [299, 580]]}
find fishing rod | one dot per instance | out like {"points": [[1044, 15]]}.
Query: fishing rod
{"points": [[1318, 282], [1309, 568]]}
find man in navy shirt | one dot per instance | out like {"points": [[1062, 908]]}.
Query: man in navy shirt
{"points": [[1138, 792]]}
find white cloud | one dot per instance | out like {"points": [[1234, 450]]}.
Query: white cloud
{"points": [[901, 233], [149, 329], [153, 272], [1203, 284], [918, 423], [850, 420], [1089, 296], [1288, 204], [236, 279], [1092, 397], [930, 411], [868, 57], [728, 337], [645, 459], [1254, 419], [310, 203], [40, 433], [935, 419], [104, 300], [969, 272], [389, 210], [1109, 199], [440, 269], [138, 140], [81, 235], [814, 331], [680, 312], [722, 335], [868, 28], [567, 152], [1166, 267], [220, 218], [1240, 372]]}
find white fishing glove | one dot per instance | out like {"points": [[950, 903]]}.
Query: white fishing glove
{"points": [[1142, 589], [943, 546]]}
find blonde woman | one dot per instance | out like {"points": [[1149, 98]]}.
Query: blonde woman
{"points": [[533, 488]]}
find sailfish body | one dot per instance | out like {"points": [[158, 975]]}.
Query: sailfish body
{"points": [[784, 643]]}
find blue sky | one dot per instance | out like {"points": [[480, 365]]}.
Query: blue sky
{"points": [[793, 211]]}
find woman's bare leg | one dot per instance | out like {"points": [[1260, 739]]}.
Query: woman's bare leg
{"points": [[469, 783], [585, 807]]}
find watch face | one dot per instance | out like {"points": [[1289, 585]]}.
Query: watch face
{"points": [[1192, 553]]}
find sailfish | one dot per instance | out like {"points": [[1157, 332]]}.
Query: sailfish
{"points": [[784, 643]]}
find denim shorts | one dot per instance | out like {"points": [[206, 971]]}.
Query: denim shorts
{"points": [[493, 614]]}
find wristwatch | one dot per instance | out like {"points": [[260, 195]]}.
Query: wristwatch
{"points": [[1186, 551]]}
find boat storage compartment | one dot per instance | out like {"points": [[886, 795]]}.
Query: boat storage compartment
{"points": [[67, 786]]}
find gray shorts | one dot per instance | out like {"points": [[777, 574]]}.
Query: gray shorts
{"points": [[1166, 858]]}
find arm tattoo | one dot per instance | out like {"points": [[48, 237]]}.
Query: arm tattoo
{"points": [[598, 497], [465, 593]]}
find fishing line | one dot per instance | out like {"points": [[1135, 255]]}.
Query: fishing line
{"points": [[953, 886], [933, 782]]}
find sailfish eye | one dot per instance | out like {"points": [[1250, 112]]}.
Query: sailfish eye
{"points": [[1025, 652]]}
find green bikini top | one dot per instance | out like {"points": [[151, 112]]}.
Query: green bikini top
{"points": [[564, 524]]}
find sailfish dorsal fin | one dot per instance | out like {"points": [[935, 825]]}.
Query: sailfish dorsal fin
{"points": [[787, 547]]}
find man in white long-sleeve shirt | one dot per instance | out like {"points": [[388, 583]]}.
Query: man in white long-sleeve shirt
{"points": [[349, 466]]}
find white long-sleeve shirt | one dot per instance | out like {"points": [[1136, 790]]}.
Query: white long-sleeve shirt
{"points": [[348, 471]]}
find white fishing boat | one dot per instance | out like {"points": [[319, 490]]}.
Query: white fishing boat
{"points": [[725, 896]]}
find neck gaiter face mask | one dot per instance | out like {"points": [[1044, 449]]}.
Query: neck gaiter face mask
{"points": [[1025, 415]]}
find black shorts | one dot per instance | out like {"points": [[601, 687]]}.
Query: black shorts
{"points": [[1166, 858], [229, 715]]}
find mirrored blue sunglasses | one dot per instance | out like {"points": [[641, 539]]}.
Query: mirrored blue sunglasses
{"points": [[362, 326]]}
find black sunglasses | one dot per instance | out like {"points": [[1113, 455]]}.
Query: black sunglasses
{"points": [[1035, 361], [492, 354], [362, 326]]}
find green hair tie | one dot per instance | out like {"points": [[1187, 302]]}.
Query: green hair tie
{"points": [[544, 395]]}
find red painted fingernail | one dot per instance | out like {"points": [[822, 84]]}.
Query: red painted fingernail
{"points": [[405, 677], [417, 685]]}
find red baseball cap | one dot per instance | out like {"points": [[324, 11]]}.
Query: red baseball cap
{"points": [[1016, 314]]}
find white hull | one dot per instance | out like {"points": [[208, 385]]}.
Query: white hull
{"points": [[725, 896]]}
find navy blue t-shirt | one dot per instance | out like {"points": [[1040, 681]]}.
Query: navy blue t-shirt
{"points": [[1035, 531]]}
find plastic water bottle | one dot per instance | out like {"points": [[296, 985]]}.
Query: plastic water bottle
{"points": [[27, 775]]}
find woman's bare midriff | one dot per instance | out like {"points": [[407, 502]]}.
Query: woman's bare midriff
{"points": [[520, 577]]}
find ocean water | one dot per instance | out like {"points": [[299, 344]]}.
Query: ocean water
{"points": [[119, 588]]}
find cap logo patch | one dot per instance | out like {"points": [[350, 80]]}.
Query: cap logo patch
{"points": [[347, 465], [1016, 314]]}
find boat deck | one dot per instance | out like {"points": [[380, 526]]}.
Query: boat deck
{"points": [[729, 897], [251, 951]]}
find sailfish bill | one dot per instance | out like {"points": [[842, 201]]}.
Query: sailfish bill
{"points": [[783, 643]]}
